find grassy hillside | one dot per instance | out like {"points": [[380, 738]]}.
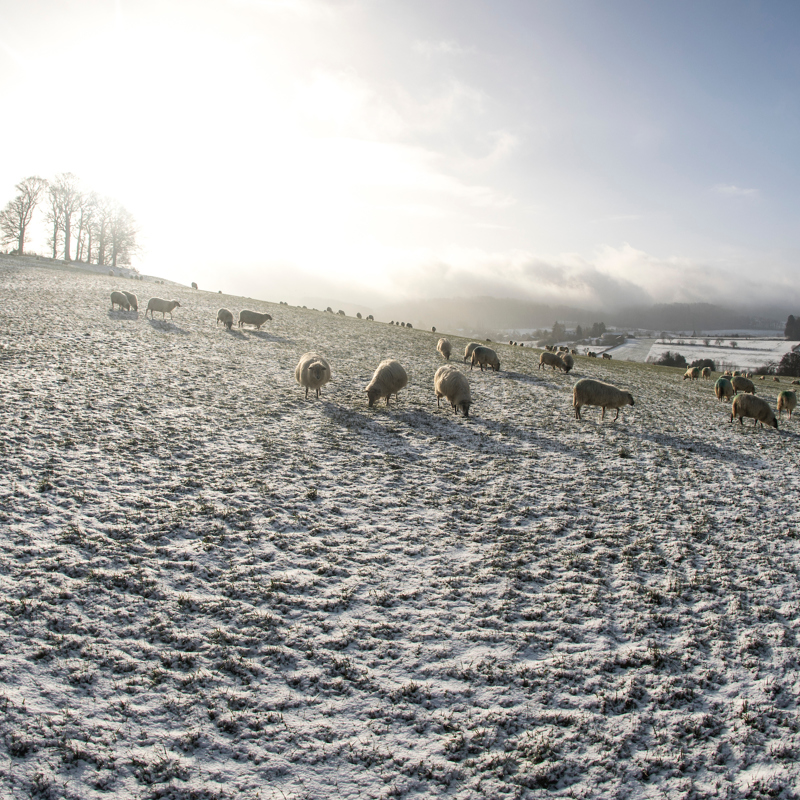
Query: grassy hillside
{"points": [[213, 588]]}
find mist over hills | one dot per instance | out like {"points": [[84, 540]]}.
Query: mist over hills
{"points": [[484, 315]]}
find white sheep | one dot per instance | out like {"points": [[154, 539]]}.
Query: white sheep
{"points": [[548, 359], [589, 392], [445, 348], [133, 300], [485, 356], [451, 383], [119, 299], [468, 350], [569, 361], [388, 379], [742, 384], [787, 401], [693, 373], [313, 372], [225, 317], [607, 355], [746, 405], [723, 389], [253, 318], [164, 306], [706, 373]]}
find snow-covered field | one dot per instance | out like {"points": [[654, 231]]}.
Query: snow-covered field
{"points": [[748, 354], [212, 588]]}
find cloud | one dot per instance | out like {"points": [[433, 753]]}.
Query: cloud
{"points": [[730, 190], [442, 47]]}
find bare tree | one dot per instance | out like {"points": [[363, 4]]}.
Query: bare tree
{"points": [[122, 236], [17, 215], [65, 188], [86, 209], [101, 225], [54, 217]]}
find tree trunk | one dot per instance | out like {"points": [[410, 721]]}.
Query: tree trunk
{"points": [[67, 221], [21, 240]]}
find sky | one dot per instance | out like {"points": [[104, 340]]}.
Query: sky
{"points": [[599, 154]]}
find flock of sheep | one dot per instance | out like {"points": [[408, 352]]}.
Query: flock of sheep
{"points": [[313, 372]]}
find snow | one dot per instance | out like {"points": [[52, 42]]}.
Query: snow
{"points": [[748, 354], [213, 588]]}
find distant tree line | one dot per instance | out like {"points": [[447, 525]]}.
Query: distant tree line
{"points": [[83, 226]]}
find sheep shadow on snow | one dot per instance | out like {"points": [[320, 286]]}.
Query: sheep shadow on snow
{"points": [[123, 315], [268, 337], [165, 326], [699, 447]]}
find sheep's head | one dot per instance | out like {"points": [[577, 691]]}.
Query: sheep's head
{"points": [[318, 372], [464, 406], [630, 398], [373, 396], [774, 422]]}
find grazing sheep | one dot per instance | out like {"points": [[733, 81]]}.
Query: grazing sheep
{"points": [[433, 329], [449, 382], [164, 306], [119, 299], [706, 373], [742, 384], [194, 285], [551, 360], [723, 389], [762, 377], [745, 405], [591, 354], [569, 361], [728, 373], [225, 317], [132, 299], [796, 382], [589, 392], [253, 318], [573, 352], [607, 355], [485, 356], [468, 350], [388, 379], [313, 372], [787, 401], [445, 348], [736, 373], [776, 379], [562, 349], [692, 373]]}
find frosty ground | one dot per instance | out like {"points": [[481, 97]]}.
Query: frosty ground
{"points": [[213, 588]]}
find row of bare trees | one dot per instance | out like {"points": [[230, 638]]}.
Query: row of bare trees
{"points": [[83, 226]]}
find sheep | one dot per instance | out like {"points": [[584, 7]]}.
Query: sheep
{"points": [[796, 382], [762, 377], [569, 361], [551, 360], [225, 317], [787, 401], [562, 349], [445, 348], [194, 285], [485, 356], [589, 392], [751, 406], [133, 300], [433, 329], [723, 389], [573, 352], [591, 354], [468, 350], [388, 379], [776, 379], [449, 382], [253, 318], [313, 372], [692, 373], [119, 299], [607, 355], [706, 373], [164, 306], [742, 384]]}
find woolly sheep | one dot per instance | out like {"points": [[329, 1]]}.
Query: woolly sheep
{"points": [[485, 356], [132, 299], [723, 389], [313, 372], [551, 360], [449, 382], [445, 348], [388, 379], [592, 354], [119, 299], [692, 373], [742, 384], [607, 355], [569, 361], [787, 401], [225, 317], [468, 350], [796, 382], [762, 377], [776, 379], [194, 285], [706, 373], [164, 306], [589, 392], [562, 349], [253, 318], [745, 405]]}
